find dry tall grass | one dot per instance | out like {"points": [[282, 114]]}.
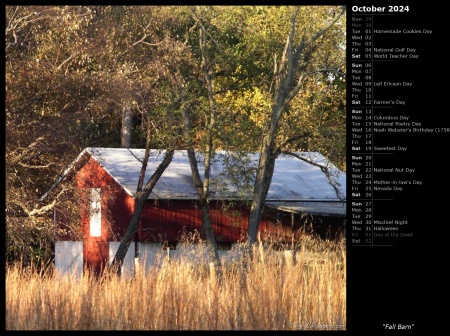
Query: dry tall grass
{"points": [[307, 292]]}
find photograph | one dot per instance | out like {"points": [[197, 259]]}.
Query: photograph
{"points": [[216, 167]]}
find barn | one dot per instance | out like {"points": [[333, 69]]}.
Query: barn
{"points": [[306, 189]]}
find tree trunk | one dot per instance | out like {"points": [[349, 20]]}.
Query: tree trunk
{"points": [[262, 184], [202, 187], [209, 232], [127, 126], [199, 186], [141, 197]]}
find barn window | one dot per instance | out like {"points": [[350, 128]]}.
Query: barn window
{"points": [[96, 213]]}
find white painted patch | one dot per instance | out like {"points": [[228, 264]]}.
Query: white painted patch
{"points": [[236, 253], [151, 255], [190, 252], [96, 213], [128, 262], [69, 258]]}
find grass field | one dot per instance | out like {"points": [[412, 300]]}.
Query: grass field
{"points": [[269, 293]]}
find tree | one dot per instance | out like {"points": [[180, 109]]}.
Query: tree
{"points": [[202, 186], [161, 119], [141, 196], [37, 98], [289, 76]]}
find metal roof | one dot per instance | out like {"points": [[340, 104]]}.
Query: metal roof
{"points": [[293, 179]]}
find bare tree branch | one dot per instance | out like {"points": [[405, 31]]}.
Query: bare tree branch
{"points": [[325, 169], [36, 167], [15, 157]]}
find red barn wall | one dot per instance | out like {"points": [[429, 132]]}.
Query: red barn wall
{"points": [[116, 211], [166, 220]]}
